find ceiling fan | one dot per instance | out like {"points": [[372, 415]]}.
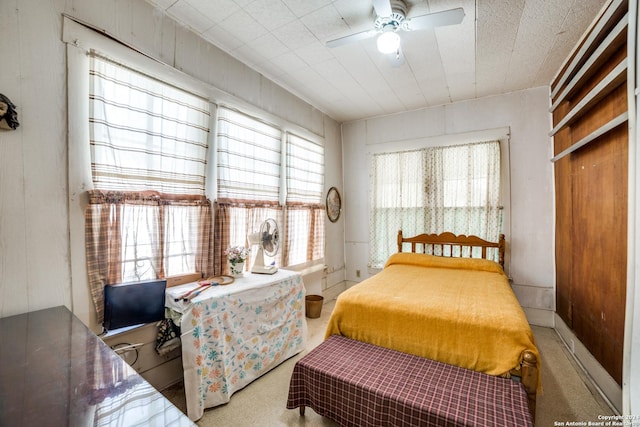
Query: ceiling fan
{"points": [[391, 17]]}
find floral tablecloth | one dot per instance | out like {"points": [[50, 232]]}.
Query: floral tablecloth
{"points": [[235, 333]]}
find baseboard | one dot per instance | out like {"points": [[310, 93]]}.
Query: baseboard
{"points": [[608, 388], [539, 317], [334, 291]]}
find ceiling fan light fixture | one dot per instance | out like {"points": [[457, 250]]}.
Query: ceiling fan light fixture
{"points": [[388, 42]]}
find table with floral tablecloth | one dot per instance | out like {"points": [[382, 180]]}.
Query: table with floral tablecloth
{"points": [[233, 334]]}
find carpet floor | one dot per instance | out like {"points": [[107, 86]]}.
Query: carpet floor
{"points": [[568, 395]]}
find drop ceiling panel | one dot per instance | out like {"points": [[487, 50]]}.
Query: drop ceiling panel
{"points": [[325, 22], [271, 14], [536, 36], [295, 35], [251, 28], [566, 36], [216, 11], [500, 46], [224, 39], [185, 13], [303, 7], [497, 29], [314, 53], [263, 48], [358, 15]]}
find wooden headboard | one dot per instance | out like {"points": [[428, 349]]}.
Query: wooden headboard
{"points": [[430, 242]]}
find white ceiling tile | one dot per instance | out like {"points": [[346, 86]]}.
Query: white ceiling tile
{"points": [[303, 7], [269, 68], [290, 62], [314, 53], [222, 38], [458, 52], [435, 90], [270, 13], [358, 15], [325, 23], [536, 35], [509, 45], [189, 16], [268, 47], [294, 35], [242, 26], [497, 29], [411, 96], [387, 98], [421, 50], [162, 4], [572, 28], [215, 11], [248, 55]]}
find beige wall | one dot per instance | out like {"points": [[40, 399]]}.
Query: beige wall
{"points": [[530, 230], [35, 248]]}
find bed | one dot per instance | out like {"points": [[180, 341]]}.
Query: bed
{"points": [[448, 301]]}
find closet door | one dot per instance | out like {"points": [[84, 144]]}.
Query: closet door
{"points": [[589, 103]]}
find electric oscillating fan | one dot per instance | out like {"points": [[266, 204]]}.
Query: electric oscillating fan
{"points": [[268, 241]]}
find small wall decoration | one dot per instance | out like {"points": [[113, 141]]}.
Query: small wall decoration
{"points": [[333, 204], [8, 114]]}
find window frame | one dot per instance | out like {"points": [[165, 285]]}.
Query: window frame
{"points": [[501, 134], [282, 204]]}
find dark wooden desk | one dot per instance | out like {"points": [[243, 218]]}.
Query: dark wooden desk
{"points": [[54, 371]]}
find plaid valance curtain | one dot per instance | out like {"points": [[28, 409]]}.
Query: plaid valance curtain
{"points": [[148, 216], [432, 190]]}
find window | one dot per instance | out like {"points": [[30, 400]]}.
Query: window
{"points": [[148, 216], [453, 188], [305, 212], [256, 182]]}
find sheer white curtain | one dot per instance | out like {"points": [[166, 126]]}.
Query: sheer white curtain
{"points": [[432, 190], [397, 200], [304, 209]]}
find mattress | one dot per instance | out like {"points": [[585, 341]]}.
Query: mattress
{"points": [[459, 311]]}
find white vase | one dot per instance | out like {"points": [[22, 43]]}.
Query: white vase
{"points": [[236, 269]]}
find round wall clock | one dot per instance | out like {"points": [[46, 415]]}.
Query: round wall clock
{"points": [[334, 204]]}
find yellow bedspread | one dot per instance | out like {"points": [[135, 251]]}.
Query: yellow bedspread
{"points": [[458, 311]]}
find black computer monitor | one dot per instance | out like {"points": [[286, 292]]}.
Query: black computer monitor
{"points": [[133, 303]]}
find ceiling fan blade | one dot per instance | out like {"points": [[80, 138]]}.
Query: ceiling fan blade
{"points": [[436, 19], [383, 8], [351, 38]]}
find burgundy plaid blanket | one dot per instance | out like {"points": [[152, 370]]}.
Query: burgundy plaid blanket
{"points": [[359, 384]]}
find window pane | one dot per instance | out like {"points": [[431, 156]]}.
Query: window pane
{"points": [[299, 225], [140, 231], [437, 189], [181, 239], [248, 158], [248, 220]]}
